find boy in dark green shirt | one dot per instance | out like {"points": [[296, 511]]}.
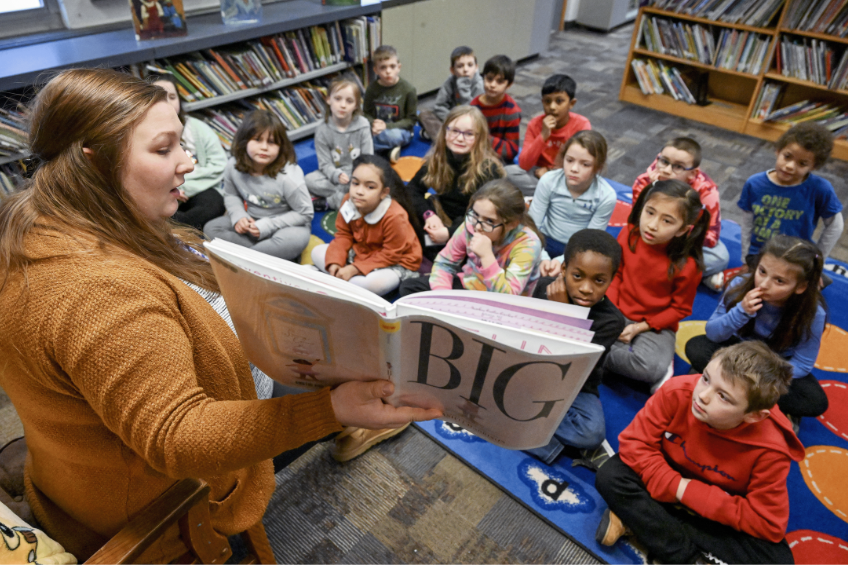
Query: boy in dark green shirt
{"points": [[390, 104]]}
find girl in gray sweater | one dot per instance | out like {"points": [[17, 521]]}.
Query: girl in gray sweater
{"points": [[344, 136], [268, 206]]}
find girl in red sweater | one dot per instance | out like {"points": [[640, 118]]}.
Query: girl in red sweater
{"points": [[661, 266], [376, 246]]}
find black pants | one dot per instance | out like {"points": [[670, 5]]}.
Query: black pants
{"points": [[671, 533], [806, 397], [200, 208], [422, 284]]}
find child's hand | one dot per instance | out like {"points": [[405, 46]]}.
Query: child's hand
{"points": [[377, 127], [433, 223], [632, 330], [540, 171], [333, 269], [242, 225], [753, 301], [343, 178], [252, 229], [347, 272], [182, 197], [481, 246], [548, 125], [439, 236], [654, 174], [550, 268], [556, 291]]}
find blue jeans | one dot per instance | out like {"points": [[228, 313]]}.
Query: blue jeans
{"points": [[554, 247], [716, 259], [583, 427], [391, 138]]}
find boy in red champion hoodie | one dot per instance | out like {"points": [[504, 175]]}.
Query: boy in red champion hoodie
{"points": [[701, 471]]}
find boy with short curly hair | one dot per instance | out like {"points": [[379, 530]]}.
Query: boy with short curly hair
{"points": [[701, 470], [790, 199]]}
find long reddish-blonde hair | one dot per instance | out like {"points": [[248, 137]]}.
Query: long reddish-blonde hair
{"points": [[481, 159], [95, 109]]}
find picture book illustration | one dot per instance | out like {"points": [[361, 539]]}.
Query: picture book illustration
{"points": [[155, 19]]}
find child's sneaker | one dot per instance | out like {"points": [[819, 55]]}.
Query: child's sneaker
{"points": [[718, 281], [353, 442], [394, 154], [707, 558], [594, 458], [319, 204], [796, 423], [610, 529]]}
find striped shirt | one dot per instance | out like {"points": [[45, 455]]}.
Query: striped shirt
{"points": [[504, 120], [515, 271]]}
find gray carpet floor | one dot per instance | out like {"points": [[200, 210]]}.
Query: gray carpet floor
{"points": [[407, 500]]}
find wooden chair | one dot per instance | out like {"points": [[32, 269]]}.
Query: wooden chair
{"points": [[186, 503]]}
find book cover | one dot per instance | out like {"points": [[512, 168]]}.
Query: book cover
{"points": [[155, 19]]}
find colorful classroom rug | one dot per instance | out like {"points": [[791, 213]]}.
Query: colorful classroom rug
{"points": [[565, 497]]}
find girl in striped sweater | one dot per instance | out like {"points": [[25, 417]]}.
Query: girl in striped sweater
{"points": [[497, 248]]}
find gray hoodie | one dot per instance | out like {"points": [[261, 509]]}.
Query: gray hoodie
{"points": [[457, 91], [336, 149], [274, 203]]}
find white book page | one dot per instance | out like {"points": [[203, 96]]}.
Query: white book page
{"points": [[300, 276], [529, 314]]}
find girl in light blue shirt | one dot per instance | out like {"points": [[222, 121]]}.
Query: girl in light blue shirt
{"points": [[572, 198]]}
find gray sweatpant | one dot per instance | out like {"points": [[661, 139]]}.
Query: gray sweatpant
{"points": [[646, 358], [319, 185], [286, 243]]}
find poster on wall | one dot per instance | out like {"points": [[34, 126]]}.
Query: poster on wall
{"points": [[154, 19]]}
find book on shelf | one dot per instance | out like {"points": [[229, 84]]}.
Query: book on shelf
{"points": [[829, 17], [683, 40], [741, 51], [832, 116], [767, 100], [504, 367], [13, 131], [745, 12], [655, 77], [10, 179], [807, 59]]}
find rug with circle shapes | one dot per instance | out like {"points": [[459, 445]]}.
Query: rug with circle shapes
{"points": [[565, 496]]}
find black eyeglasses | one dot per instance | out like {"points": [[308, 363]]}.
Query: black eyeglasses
{"points": [[663, 162], [486, 226]]}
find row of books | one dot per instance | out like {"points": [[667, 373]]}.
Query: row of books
{"points": [[819, 16], [693, 42], [259, 63], [742, 51], [812, 60], [296, 107], [767, 100], [655, 77], [832, 116], [747, 12], [735, 50], [13, 134]]}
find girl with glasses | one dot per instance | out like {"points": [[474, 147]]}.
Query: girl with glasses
{"points": [[497, 248], [460, 161]]}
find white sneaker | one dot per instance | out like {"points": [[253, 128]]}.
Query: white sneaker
{"points": [[715, 282], [668, 374], [394, 155]]}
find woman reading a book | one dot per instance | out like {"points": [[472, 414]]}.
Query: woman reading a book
{"points": [[125, 378]]}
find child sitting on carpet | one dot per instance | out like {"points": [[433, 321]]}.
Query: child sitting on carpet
{"points": [[656, 285], [790, 199], [268, 206], [681, 159], [390, 104], [502, 113], [344, 136], [460, 161], [590, 262], [463, 86], [781, 305], [546, 134], [497, 249], [572, 197], [700, 476], [375, 246]]}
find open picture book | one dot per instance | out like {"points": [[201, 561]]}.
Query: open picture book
{"points": [[504, 367]]}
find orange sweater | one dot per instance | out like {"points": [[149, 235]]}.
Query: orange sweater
{"points": [[389, 241], [127, 380]]}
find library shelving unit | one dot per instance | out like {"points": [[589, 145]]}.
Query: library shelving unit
{"points": [[732, 94], [29, 65]]}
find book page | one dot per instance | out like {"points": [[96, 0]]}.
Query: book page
{"points": [[512, 398], [302, 338], [525, 313], [292, 274]]}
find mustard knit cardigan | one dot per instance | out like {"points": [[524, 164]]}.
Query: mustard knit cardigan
{"points": [[126, 380]]}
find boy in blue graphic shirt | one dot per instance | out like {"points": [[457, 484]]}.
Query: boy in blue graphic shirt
{"points": [[790, 199], [700, 476]]}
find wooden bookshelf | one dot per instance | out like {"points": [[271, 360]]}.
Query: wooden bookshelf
{"points": [[732, 94]]}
